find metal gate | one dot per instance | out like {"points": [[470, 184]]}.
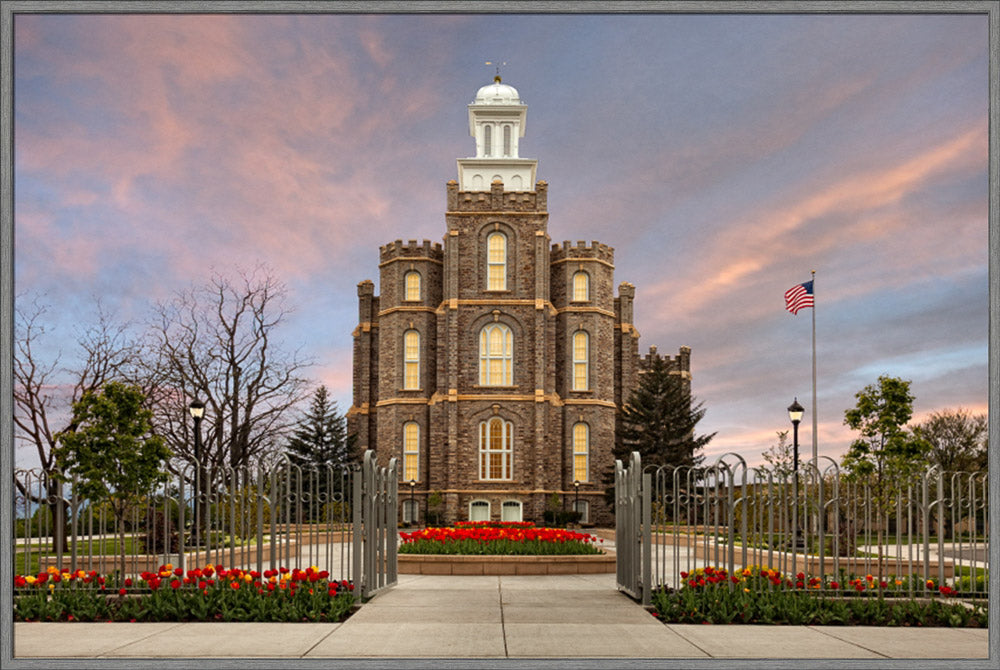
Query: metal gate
{"points": [[632, 528], [376, 501]]}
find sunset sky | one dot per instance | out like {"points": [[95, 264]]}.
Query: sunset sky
{"points": [[723, 157]]}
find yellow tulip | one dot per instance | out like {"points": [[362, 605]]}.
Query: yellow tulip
{"points": [[30, 579]]}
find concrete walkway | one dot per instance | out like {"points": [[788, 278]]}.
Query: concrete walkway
{"points": [[488, 617]]}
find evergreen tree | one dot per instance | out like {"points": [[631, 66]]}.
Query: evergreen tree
{"points": [[659, 420], [321, 440]]}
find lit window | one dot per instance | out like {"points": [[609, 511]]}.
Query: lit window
{"points": [[412, 285], [495, 449], [581, 452], [581, 286], [496, 262], [411, 359], [411, 451], [479, 510], [506, 140], [510, 510], [496, 355], [488, 140], [581, 343]]}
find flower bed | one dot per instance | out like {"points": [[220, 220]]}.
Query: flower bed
{"points": [[765, 596], [499, 539], [211, 593]]}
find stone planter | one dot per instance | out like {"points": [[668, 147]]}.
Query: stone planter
{"points": [[449, 564]]}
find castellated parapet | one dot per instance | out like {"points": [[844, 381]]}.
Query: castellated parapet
{"points": [[497, 199], [581, 250], [410, 251], [679, 364]]}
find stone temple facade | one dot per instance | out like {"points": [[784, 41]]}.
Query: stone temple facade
{"points": [[492, 366]]}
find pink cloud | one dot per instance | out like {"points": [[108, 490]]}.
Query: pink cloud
{"points": [[768, 237]]}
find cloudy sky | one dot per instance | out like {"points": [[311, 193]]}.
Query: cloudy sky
{"points": [[723, 157]]}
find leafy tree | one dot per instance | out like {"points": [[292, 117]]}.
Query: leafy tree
{"points": [[319, 441], [113, 453], [881, 414], [886, 454], [659, 420], [957, 439]]}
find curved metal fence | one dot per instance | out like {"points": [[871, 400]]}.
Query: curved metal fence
{"points": [[902, 529], [259, 517]]}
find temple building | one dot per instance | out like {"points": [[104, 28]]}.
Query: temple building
{"points": [[492, 365]]}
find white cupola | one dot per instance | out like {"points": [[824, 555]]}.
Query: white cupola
{"points": [[497, 120]]}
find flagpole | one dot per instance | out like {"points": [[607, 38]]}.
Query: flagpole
{"points": [[814, 413]]}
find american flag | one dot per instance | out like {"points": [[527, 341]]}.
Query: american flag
{"points": [[799, 297]]}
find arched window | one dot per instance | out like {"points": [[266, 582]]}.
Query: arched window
{"points": [[510, 510], [496, 356], [411, 451], [412, 280], [496, 449], [411, 359], [581, 366], [506, 140], [581, 286], [487, 140], [479, 510], [581, 452], [496, 262], [583, 507]]}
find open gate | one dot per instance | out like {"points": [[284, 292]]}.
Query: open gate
{"points": [[375, 510], [633, 528]]}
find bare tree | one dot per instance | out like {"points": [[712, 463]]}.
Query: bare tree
{"points": [[216, 343], [44, 392]]}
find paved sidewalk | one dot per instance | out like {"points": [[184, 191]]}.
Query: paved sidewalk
{"points": [[571, 616]]}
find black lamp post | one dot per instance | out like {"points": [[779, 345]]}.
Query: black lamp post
{"points": [[576, 500], [413, 507], [795, 412], [197, 409]]}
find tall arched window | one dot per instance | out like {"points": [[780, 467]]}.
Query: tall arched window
{"points": [[411, 451], [496, 449], [496, 355], [581, 366], [581, 452], [581, 286], [496, 262], [487, 140], [412, 280], [411, 359], [506, 140]]}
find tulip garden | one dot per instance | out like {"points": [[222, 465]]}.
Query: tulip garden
{"points": [[758, 595], [511, 538], [210, 593]]}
